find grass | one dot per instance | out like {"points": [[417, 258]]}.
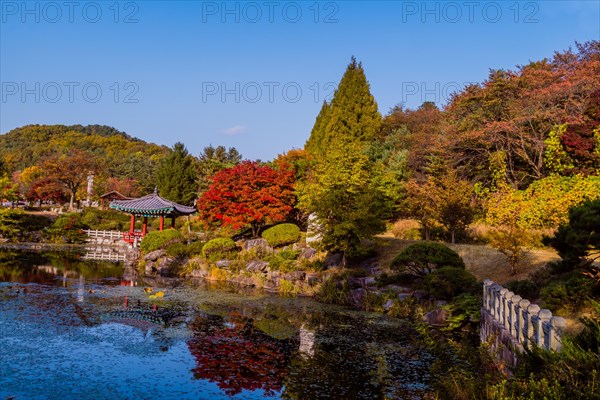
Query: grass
{"points": [[481, 260]]}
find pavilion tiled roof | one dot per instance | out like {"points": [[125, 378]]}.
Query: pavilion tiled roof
{"points": [[152, 205]]}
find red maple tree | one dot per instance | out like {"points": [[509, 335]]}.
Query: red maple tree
{"points": [[248, 194]]}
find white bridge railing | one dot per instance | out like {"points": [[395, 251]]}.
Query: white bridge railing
{"points": [[112, 235], [526, 323]]}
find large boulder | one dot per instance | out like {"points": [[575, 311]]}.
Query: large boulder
{"points": [[312, 279], [307, 252], [436, 317], [154, 255], [199, 273], [357, 297], [257, 266], [260, 243], [166, 266], [294, 276], [223, 263]]}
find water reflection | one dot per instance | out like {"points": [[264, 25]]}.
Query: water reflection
{"points": [[85, 332]]}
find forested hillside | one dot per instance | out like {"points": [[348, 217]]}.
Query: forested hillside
{"points": [[117, 154]]}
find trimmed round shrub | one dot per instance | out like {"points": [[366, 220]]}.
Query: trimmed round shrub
{"points": [[282, 234], [448, 282], [155, 240], [218, 245], [424, 257]]}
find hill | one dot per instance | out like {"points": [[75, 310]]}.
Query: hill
{"points": [[122, 155]]}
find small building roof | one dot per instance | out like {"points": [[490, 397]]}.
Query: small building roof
{"points": [[114, 195], [152, 205]]}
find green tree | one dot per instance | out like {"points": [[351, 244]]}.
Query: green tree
{"points": [[213, 160], [341, 187], [578, 241], [454, 202], [176, 176]]}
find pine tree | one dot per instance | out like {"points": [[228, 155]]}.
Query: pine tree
{"points": [[176, 176], [342, 189]]}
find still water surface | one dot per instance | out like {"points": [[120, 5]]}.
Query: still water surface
{"points": [[73, 329]]}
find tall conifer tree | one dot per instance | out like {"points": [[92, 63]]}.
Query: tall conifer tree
{"points": [[342, 188], [176, 176]]}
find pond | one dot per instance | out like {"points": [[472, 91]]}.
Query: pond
{"points": [[75, 329]]}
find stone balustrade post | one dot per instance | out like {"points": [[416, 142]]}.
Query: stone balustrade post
{"points": [[543, 339], [557, 326], [524, 320], [514, 315], [533, 311], [503, 307]]}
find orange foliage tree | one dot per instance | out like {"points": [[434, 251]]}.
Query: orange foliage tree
{"points": [[248, 194]]}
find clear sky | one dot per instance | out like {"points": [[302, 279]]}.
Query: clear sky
{"points": [[254, 74]]}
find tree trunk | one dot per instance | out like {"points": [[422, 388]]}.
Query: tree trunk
{"points": [[453, 235], [71, 201], [427, 234]]}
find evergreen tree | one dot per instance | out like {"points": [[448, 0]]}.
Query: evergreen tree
{"points": [[176, 176], [213, 160], [342, 187], [315, 144]]}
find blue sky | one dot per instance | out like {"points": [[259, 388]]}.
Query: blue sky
{"points": [[254, 74]]}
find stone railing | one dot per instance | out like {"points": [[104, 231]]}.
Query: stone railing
{"points": [[525, 323]]}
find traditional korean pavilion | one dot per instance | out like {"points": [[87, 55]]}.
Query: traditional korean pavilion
{"points": [[151, 205]]}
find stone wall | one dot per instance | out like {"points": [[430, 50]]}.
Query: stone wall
{"points": [[509, 322]]}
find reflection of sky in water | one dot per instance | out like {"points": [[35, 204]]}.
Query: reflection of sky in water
{"points": [[89, 339], [108, 361]]}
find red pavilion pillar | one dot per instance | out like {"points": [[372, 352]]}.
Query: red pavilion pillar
{"points": [[162, 222], [144, 226], [131, 224]]}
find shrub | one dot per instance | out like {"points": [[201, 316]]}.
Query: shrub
{"points": [[448, 282], [160, 239], [68, 228], [105, 220], [177, 249], [16, 224], [195, 248], [525, 288], [568, 293], [218, 245], [282, 234], [423, 257]]}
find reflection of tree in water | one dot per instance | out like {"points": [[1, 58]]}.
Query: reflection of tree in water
{"points": [[237, 356], [42, 268], [359, 360]]}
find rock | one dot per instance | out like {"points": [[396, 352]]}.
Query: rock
{"points": [[246, 281], [294, 276], [398, 289], [404, 296], [165, 265], [357, 296], [333, 260], [199, 273], [154, 255], [388, 305], [261, 243], [420, 294], [436, 317], [257, 266], [307, 252], [223, 263], [274, 274], [369, 281], [270, 284], [312, 279], [149, 268], [440, 303]]}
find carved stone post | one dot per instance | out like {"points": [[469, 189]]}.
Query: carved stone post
{"points": [[514, 318], [503, 307], [524, 321], [557, 325], [533, 311], [543, 322]]}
